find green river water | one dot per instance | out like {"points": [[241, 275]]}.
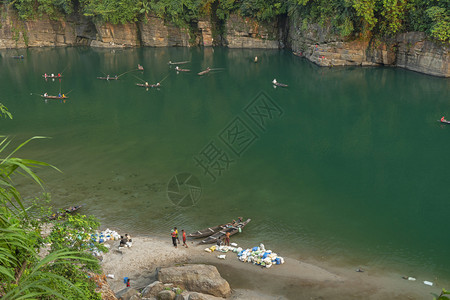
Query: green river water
{"points": [[348, 165]]}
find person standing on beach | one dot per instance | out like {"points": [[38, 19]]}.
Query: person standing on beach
{"points": [[184, 238], [227, 239], [174, 238], [176, 231]]}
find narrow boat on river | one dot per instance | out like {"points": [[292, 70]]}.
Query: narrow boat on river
{"points": [[182, 70], [18, 57], [108, 78], [222, 233], [276, 83], [148, 85], [52, 76], [54, 97], [178, 63], [204, 72]]}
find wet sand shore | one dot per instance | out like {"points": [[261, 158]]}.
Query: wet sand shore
{"points": [[293, 280]]}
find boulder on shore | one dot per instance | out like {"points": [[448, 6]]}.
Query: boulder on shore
{"points": [[126, 293], [196, 278]]}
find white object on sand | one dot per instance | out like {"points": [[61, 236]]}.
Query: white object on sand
{"points": [[221, 256], [233, 244], [428, 283], [411, 278], [110, 276]]}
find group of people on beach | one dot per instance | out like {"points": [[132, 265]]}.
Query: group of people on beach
{"points": [[125, 241], [176, 239]]}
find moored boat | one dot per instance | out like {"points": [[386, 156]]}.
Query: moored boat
{"points": [[18, 57], [208, 231], [64, 212], [220, 235]]}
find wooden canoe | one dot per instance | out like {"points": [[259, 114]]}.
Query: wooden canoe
{"points": [[182, 70], [148, 86], [178, 63], [64, 212], [445, 122], [222, 233], [108, 78], [50, 76], [279, 84], [208, 231], [54, 97], [204, 72], [18, 57]]}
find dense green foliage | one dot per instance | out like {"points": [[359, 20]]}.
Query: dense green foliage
{"points": [[380, 17], [26, 272]]}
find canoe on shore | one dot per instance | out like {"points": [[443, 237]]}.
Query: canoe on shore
{"points": [[204, 72], [64, 212], [148, 85], [208, 231], [222, 233], [53, 97]]}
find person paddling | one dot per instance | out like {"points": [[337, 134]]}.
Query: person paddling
{"points": [[443, 119]]}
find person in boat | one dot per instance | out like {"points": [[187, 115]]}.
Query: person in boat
{"points": [[45, 94], [274, 81], [53, 75], [256, 59], [59, 74], [146, 84], [64, 96], [443, 119], [240, 220], [158, 84], [116, 77], [45, 75], [176, 68], [107, 77]]}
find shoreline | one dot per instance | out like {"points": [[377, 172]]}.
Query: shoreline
{"points": [[295, 279]]}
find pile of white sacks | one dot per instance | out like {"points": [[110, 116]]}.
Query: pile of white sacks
{"points": [[256, 255]]}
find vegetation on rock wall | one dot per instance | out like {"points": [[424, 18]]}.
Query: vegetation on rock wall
{"points": [[347, 17]]}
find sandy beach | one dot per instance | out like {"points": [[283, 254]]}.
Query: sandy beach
{"points": [[293, 280]]}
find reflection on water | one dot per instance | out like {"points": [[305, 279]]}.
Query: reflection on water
{"points": [[352, 169]]}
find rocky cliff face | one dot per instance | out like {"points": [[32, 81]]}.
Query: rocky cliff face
{"points": [[248, 33], [409, 50], [319, 44]]}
